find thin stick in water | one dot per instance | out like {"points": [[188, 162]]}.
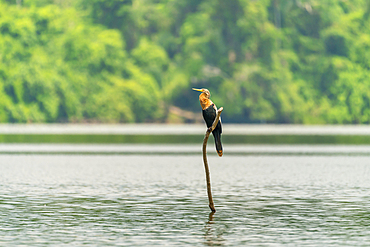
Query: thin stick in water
{"points": [[208, 176]]}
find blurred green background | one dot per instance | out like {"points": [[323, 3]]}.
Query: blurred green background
{"points": [[120, 61]]}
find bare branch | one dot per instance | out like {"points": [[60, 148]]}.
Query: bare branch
{"points": [[208, 176]]}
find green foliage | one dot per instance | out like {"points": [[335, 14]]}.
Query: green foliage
{"points": [[278, 61], [57, 68]]}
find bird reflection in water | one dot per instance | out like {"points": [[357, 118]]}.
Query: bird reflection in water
{"points": [[213, 233]]}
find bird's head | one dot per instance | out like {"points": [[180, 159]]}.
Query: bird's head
{"points": [[205, 91]]}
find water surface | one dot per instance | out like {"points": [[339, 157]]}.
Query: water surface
{"points": [[136, 200]]}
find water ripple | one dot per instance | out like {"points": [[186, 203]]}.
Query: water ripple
{"points": [[161, 200]]}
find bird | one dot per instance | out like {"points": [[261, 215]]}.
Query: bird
{"points": [[209, 111]]}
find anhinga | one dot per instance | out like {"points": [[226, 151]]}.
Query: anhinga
{"points": [[209, 114]]}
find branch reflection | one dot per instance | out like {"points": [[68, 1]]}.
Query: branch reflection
{"points": [[213, 232]]}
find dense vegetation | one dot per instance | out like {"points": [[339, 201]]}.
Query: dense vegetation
{"points": [[282, 61]]}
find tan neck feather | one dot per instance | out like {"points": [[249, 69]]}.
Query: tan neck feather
{"points": [[204, 101]]}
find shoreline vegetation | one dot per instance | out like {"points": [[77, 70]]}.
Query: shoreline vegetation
{"points": [[135, 61]]}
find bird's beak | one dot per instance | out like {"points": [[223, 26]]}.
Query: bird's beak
{"points": [[200, 90]]}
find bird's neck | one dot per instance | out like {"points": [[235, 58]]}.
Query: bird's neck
{"points": [[205, 102]]}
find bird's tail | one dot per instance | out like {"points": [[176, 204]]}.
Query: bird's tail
{"points": [[217, 136]]}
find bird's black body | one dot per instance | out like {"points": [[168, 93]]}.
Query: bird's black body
{"points": [[209, 115], [209, 111]]}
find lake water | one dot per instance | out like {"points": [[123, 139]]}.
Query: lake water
{"points": [[71, 195]]}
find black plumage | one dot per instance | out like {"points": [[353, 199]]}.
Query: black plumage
{"points": [[209, 115], [209, 111]]}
